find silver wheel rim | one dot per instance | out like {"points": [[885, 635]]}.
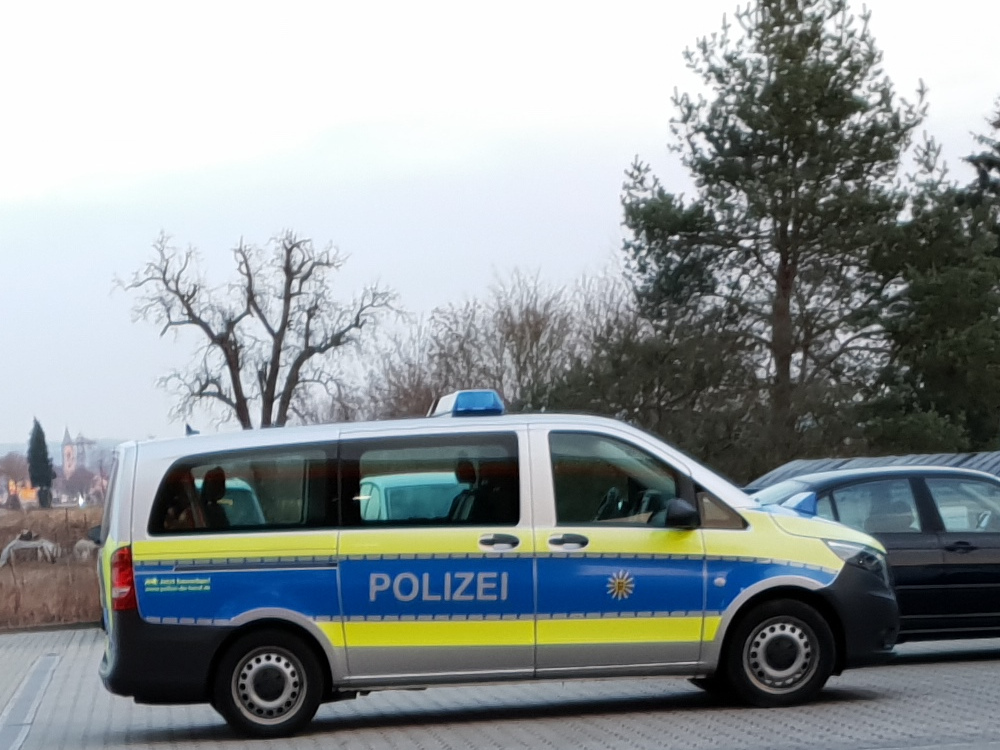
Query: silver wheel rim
{"points": [[269, 685], [781, 655]]}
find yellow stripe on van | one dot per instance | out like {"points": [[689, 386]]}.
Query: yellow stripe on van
{"points": [[441, 633], [712, 627], [620, 630], [334, 633], [613, 539], [199, 547], [427, 541], [766, 540]]}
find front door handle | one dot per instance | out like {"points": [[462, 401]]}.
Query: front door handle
{"points": [[569, 541], [961, 547], [499, 541]]}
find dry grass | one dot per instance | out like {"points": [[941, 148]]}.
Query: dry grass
{"points": [[38, 593]]}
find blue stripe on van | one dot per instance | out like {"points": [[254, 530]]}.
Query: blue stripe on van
{"points": [[221, 594], [458, 587], [473, 587], [727, 579]]}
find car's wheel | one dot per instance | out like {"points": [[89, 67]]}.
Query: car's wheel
{"points": [[781, 653], [268, 684]]}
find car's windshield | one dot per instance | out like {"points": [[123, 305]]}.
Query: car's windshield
{"points": [[778, 493]]}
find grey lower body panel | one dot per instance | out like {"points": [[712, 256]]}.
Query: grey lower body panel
{"points": [[433, 664], [592, 657]]}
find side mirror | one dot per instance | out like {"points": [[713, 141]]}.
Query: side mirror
{"points": [[94, 535], [681, 514]]}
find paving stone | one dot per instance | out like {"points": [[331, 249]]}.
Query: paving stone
{"points": [[931, 695]]}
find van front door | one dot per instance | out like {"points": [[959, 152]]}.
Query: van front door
{"points": [[616, 590]]}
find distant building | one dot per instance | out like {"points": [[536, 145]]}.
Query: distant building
{"points": [[74, 453]]}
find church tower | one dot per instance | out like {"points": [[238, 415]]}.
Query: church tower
{"points": [[69, 455]]}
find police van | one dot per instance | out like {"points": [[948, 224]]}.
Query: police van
{"points": [[259, 573]]}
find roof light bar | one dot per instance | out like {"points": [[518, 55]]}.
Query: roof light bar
{"points": [[477, 403]]}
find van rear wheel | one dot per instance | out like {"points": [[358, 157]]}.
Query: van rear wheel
{"points": [[268, 684], [781, 653]]}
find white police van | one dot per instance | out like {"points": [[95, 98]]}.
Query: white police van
{"points": [[517, 547]]}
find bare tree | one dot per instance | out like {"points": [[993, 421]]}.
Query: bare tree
{"points": [[267, 337], [14, 466], [396, 382], [517, 339]]}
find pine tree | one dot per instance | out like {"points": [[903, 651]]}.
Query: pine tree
{"points": [[987, 163], [941, 389], [795, 156], [40, 465]]}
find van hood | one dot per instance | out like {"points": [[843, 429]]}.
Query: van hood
{"points": [[814, 527]]}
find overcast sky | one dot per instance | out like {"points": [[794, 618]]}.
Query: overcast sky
{"points": [[436, 144]]}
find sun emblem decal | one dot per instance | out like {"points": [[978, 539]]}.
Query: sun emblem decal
{"points": [[621, 585]]}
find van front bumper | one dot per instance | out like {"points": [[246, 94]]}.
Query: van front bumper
{"points": [[155, 663], [868, 614]]}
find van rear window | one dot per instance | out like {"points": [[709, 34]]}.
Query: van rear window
{"points": [[250, 491]]}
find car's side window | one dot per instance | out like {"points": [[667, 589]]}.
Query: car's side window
{"points": [[437, 480], [248, 491], [883, 506], [966, 504], [599, 479], [824, 508]]}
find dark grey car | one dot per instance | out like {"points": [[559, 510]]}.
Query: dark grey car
{"points": [[940, 526]]}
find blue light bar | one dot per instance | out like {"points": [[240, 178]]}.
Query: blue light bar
{"points": [[481, 403]]}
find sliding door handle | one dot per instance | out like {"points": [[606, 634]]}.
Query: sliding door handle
{"points": [[569, 541], [499, 541]]}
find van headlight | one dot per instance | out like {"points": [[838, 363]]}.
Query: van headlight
{"points": [[862, 556]]}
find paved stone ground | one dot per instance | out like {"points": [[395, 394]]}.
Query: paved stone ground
{"points": [[931, 695]]}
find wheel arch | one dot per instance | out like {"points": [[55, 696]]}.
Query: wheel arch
{"points": [[809, 595], [314, 639]]}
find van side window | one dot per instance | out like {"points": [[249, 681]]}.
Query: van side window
{"points": [[249, 491], [599, 479], [439, 481], [714, 513]]}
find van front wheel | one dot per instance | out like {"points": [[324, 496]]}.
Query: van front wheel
{"points": [[781, 653], [268, 684]]}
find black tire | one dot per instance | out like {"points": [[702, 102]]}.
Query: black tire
{"points": [[781, 653], [268, 684], [713, 684]]}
